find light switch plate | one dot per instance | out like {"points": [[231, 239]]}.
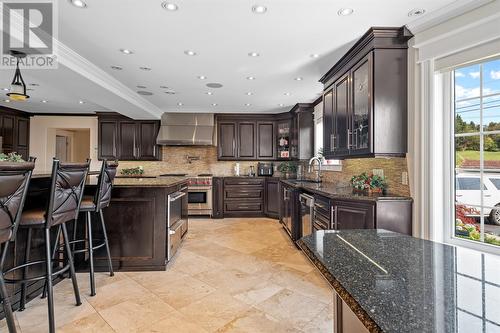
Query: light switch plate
{"points": [[404, 178], [378, 172]]}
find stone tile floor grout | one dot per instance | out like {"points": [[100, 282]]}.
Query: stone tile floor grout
{"points": [[236, 275]]}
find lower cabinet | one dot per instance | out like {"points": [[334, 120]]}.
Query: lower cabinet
{"points": [[344, 319], [353, 215], [272, 205], [217, 197]]}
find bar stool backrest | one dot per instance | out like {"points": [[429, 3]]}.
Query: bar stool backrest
{"points": [[105, 184], [14, 181], [66, 191]]}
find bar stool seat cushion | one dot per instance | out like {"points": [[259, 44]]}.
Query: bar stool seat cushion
{"points": [[87, 204], [33, 217]]}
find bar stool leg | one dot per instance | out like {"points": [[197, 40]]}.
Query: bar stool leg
{"points": [[48, 278], [71, 265], [7, 307], [91, 253], [54, 252], [22, 304], [110, 264]]}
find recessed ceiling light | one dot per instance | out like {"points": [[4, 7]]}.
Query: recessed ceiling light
{"points": [[249, 93], [44, 101], [345, 11], [250, 78], [180, 104], [81, 102], [214, 85], [253, 54], [189, 53], [202, 77], [78, 3], [416, 12], [287, 94], [281, 104], [147, 69], [6, 100], [259, 9], [117, 68], [145, 93], [5, 89], [126, 51], [169, 6], [209, 93], [214, 104], [248, 104], [298, 78]]}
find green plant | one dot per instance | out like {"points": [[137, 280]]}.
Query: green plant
{"points": [[378, 182], [11, 157], [132, 171], [287, 167], [360, 182]]}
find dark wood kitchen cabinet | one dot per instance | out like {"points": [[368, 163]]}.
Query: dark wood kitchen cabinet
{"points": [[246, 140], [126, 139], [15, 131], [272, 203], [353, 215], [217, 197], [266, 140], [243, 196], [226, 140], [365, 97], [302, 138]]}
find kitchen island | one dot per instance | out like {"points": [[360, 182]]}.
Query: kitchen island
{"points": [[389, 282]]}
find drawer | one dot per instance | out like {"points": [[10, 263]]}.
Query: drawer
{"points": [[184, 227], [244, 193], [175, 238], [243, 206], [322, 205], [319, 220], [243, 181]]}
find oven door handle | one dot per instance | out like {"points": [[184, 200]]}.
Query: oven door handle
{"points": [[177, 197]]}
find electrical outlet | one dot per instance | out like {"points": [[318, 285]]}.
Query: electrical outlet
{"points": [[404, 178], [378, 172]]}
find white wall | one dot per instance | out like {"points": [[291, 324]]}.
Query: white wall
{"points": [[42, 138]]}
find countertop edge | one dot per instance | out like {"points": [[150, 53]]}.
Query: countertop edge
{"points": [[362, 315], [152, 185]]}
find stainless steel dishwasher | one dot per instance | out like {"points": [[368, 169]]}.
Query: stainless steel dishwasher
{"points": [[306, 214]]}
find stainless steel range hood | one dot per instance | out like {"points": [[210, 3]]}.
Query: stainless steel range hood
{"points": [[186, 129]]}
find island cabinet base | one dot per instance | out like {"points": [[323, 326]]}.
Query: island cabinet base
{"points": [[344, 319], [136, 223]]}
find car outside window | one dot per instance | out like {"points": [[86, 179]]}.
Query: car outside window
{"points": [[470, 184], [496, 182]]}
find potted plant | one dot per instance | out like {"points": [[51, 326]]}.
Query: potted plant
{"points": [[11, 157], [287, 168], [137, 171], [377, 183], [360, 183]]}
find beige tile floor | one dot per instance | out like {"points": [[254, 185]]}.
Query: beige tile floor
{"points": [[231, 275]]}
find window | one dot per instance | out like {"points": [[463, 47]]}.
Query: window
{"points": [[477, 152], [333, 165]]}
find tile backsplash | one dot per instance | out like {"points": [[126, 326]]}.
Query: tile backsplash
{"points": [[204, 160]]}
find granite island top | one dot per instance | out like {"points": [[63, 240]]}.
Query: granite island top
{"points": [[398, 283], [334, 191]]}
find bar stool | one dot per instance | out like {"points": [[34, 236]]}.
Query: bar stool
{"points": [[14, 181], [95, 204], [66, 192]]}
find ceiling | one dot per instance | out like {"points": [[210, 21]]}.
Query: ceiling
{"points": [[222, 33]]}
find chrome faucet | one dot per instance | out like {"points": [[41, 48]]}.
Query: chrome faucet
{"points": [[318, 174]]}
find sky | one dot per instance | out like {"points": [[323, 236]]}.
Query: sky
{"points": [[467, 85]]}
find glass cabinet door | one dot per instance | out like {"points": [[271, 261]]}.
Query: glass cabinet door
{"points": [[284, 132], [361, 105]]}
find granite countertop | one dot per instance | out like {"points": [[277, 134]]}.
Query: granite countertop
{"points": [[334, 191], [143, 182], [398, 283]]}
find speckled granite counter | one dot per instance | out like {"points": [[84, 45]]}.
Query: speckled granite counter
{"points": [[398, 283], [334, 191]]}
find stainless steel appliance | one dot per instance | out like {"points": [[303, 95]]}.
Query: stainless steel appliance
{"points": [[286, 219], [200, 195], [177, 220], [306, 214], [321, 217], [265, 169]]}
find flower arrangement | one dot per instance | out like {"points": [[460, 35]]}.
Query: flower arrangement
{"points": [[364, 182], [11, 157], [133, 171]]}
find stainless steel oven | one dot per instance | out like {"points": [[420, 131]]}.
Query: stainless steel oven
{"points": [[200, 196], [177, 220]]}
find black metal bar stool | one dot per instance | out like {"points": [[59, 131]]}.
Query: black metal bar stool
{"points": [[93, 205], [14, 181], [66, 192]]}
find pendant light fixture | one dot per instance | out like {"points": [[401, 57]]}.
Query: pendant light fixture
{"points": [[18, 87]]}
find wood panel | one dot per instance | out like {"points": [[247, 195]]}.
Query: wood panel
{"points": [[108, 139], [272, 203], [147, 148], [127, 140], [246, 140], [226, 140], [266, 140], [354, 215]]}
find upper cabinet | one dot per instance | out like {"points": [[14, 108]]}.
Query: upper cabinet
{"points": [[125, 139], [365, 97], [15, 132], [258, 137]]}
